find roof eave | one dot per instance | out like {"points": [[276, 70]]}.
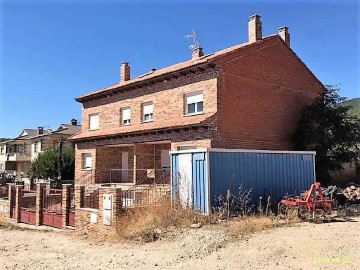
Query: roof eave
{"points": [[96, 137], [203, 65]]}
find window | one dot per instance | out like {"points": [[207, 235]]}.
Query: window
{"points": [[194, 103], [148, 109], [87, 161], [1, 167], [94, 121], [37, 147], [125, 116], [1, 150], [20, 149]]}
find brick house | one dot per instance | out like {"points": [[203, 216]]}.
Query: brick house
{"points": [[16, 154], [246, 96]]}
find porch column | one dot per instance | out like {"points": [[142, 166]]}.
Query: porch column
{"points": [[65, 204], [18, 198], [39, 205], [134, 164]]}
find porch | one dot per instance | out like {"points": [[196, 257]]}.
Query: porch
{"points": [[126, 165]]}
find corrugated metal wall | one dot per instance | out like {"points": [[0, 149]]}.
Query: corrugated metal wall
{"points": [[197, 177], [268, 174], [200, 184]]}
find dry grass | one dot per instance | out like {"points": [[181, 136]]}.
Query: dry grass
{"points": [[6, 226], [147, 223], [10, 226], [252, 224]]}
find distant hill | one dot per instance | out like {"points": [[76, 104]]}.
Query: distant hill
{"points": [[355, 104]]}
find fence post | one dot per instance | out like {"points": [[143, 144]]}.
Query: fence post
{"points": [[18, 203], [65, 204], [117, 203], [39, 203], [79, 198]]}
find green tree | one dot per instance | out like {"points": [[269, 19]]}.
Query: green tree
{"points": [[54, 162], [328, 129]]}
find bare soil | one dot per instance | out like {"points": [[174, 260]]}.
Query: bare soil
{"points": [[334, 245]]}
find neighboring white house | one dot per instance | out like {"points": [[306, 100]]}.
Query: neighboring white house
{"points": [[17, 154]]}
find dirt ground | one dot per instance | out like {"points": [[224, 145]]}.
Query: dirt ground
{"points": [[333, 245]]}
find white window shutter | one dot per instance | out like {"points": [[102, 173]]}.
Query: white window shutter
{"points": [[148, 108], [126, 114], [94, 122], [194, 98], [88, 161]]}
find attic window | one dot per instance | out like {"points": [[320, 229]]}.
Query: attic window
{"points": [[125, 116], [194, 103], [94, 121], [148, 109]]}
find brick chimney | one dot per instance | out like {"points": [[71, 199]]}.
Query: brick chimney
{"points": [[74, 122], [197, 52], [255, 28], [284, 34], [125, 72]]}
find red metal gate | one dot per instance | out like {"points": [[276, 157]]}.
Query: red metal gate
{"points": [[71, 211], [28, 207], [52, 208]]}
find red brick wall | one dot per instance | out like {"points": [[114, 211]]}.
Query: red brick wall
{"points": [[199, 138], [260, 96], [98, 229], [80, 149], [256, 100], [166, 95], [205, 143]]}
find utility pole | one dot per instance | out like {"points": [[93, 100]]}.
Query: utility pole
{"points": [[60, 163]]}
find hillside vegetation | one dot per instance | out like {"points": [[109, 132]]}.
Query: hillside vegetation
{"points": [[355, 106]]}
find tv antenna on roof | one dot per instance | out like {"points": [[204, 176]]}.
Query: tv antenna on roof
{"points": [[196, 40]]}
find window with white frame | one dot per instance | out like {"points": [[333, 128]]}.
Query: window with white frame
{"points": [[1, 150], [94, 121], [125, 116], [194, 103], [87, 161], [148, 109]]}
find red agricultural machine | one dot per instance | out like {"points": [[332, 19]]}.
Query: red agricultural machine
{"points": [[312, 204]]}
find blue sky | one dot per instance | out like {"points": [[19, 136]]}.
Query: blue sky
{"points": [[54, 52]]}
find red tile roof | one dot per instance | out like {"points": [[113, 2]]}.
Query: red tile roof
{"points": [[148, 126], [177, 67]]}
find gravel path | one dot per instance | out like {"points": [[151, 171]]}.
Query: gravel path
{"points": [[307, 246]]}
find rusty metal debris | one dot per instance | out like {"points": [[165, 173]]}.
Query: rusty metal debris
{"points": [[318, 202]]}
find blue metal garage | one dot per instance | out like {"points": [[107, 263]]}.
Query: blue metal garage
{"points": [[200, 175]]}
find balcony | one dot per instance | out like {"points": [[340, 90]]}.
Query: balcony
{"points": [[18, 157]]}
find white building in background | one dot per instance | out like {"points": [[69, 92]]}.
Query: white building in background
{"points": [[17, 154]]}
